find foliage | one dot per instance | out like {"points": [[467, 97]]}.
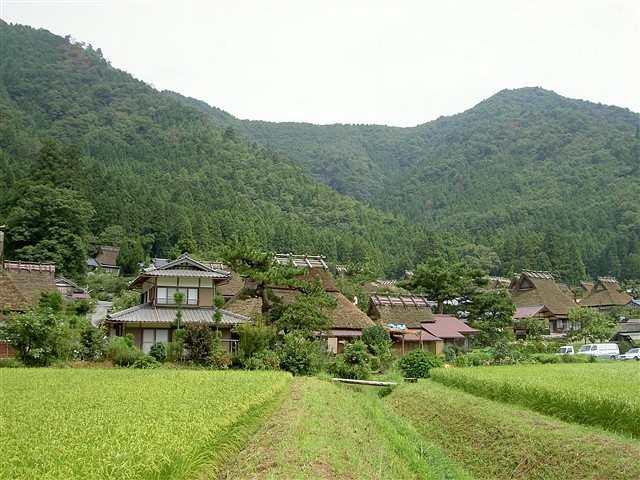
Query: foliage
{"points": [[103, 286], [441, 281], [158, 351], [309, 313], [37, 338], [122, 352], [125, 299], [492, 312], [591, 324], [81, 307], [262, 360], [255, 339], [418, 363], [51, 301], [378, 342], [534, 327], [199, 340], [300, 355], [146, 361], [354, 362]]}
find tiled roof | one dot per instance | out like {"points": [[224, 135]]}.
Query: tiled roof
{"points": [[183, 266], [148, 313]]}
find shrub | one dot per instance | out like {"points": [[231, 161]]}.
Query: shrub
{"points": [[300, 355], [473, 359], [199, 341], [37, 338], [354, 363], [158, 351], [418, 363], [122, 352], [10, 363], [264, 360], [145, 361]]}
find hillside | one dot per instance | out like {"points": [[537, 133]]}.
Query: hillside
{"points": [[526, 179], [160, 178], [544, 181]]}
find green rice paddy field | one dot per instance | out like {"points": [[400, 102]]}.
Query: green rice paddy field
{"points": [[484, 423]]}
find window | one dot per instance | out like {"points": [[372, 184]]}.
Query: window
{"points": [[153, 335], [165, 295]]}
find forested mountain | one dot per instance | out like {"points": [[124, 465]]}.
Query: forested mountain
{"points": [[526, 179], [153, 176], [542, 181]]}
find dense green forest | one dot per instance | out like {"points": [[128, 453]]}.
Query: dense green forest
{"points": [[90, 155]]}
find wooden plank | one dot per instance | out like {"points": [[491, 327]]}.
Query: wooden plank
{"points": [[365, 382]]}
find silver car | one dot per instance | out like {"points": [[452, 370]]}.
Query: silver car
{"points": [[633, 354]]}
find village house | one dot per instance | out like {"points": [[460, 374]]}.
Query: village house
{"points": [[346, 318], [70, 290], [412, 324], [536, 294], [106, 261], [20, 284], [605, 295], [154, 319]]}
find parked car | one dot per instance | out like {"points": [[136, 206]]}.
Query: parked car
{"points": [[565, 350], [600, 350], [633, 354]]}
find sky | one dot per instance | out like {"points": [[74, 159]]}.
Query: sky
{"points": [[397, 63]]}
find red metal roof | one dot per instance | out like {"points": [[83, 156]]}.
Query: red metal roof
{"points": [[340, 332], [416, 336], [448, 326]]}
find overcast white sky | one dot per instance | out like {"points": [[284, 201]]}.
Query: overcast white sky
{"points": [[398, 63]]}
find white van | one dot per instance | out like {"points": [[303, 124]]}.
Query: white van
{"points": [[600, 350], [566, 350]]}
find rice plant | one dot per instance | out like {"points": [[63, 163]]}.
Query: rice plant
{"points": [[129, 424], [606, 395]]}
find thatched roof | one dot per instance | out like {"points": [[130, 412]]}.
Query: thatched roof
{"points": [[345, 316], [606, 293], [540, 289], [232, 287], [20, 283], [108, 256], [406, 310]]}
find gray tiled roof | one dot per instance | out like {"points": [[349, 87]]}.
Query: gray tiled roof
{"points": [[147, 313], [188, 273]]}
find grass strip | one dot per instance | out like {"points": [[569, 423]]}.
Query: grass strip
{"points": [[492, 440], [323, 430], [604, 394]]}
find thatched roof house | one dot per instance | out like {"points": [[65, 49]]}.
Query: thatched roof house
{"points": [[105, 261], [606, 294], [20, 283], [413, 325], [539, 289]]}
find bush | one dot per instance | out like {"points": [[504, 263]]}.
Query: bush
{"points": [[473, 359], [299, 355], [199, 341], [418, 363], [264, 360], [354, 363], [145, 361], [122, 352], [10, 363], [158, 351]]}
